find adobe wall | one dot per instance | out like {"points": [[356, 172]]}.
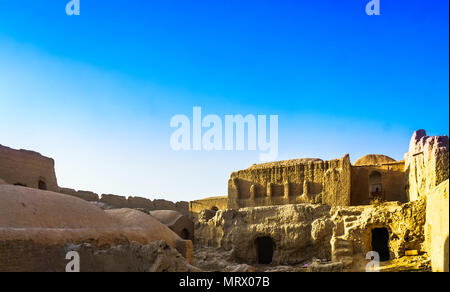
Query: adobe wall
{"points": [[392, 180], [291, 182], [85, 195], [305, 231], [26, 168], [426, 164], [144, 204], [118, 202], [427, 174], [221, 203], [437, 227]]}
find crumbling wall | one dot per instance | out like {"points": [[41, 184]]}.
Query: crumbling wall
{"points": [[114, 201], [337, 184], [27, 168], [145, 204], [392, 180], [426, 164], [290, 227], [427, 168], [303, 231], [85, 195], [213, 203], [118, 202], [291, 182]]}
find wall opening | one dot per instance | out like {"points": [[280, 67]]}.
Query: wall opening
{"points": [[264, 250], [215, 208], [376, 188], [42, 185], [380, 243], [185, 234], [20, 184]]}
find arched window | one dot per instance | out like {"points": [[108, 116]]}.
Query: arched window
{"points": [[376, 188], [42, 185]]}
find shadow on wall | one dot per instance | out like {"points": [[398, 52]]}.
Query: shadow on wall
{"points": [[42, 185], [446, 262], [407, 174], [380, 243], [185, 234], [264, 249]]}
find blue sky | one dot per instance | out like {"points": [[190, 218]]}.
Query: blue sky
{"points": [[97, 91]]}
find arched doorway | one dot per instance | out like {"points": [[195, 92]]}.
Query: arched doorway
{"points": [[185, 234], [42, 185], [214, 209], [380, 243], [375, 185], [264, 249]]}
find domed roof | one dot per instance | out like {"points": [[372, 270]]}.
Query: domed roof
{"points": [[153, 229], [23, 207], [373, 159], [167, 217], [52, 218]]}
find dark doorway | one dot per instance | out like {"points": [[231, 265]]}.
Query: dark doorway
{"points": [[215, 208], [185, 234], [264, 250], [380, 243], [42, 185]]}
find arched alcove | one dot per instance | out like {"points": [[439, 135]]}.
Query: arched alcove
{"points": [[185, 234], [375, 185], [42, 185]]}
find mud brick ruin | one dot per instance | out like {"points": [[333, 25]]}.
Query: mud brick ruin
{"points": [[290, 211], [294, 215]]}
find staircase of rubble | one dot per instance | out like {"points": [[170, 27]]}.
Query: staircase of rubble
{"points": [[350, 223], [342, 248]]}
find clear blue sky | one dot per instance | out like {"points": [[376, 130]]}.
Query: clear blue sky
{"points": [[97, 91]]}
